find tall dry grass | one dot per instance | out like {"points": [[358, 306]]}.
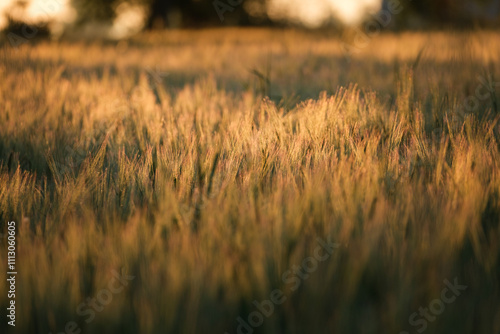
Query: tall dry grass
{"points": [[207, 191]]}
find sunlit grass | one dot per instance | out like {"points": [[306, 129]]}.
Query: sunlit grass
{"points": [[207, 191]]}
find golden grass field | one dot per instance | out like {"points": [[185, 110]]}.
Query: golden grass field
{"points": [[207, 164]]}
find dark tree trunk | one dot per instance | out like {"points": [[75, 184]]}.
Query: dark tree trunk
{"points": [[158, 15], [192, 13]]}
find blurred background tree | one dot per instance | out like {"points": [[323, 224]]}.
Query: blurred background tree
{"points": [[170, 13], [447, 14], [196, 13], [160, 14], [95, 10]]}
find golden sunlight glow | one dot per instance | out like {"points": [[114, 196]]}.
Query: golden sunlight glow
{"points": [[314, 13], [130, 18], [4, 5], [58, 12]]}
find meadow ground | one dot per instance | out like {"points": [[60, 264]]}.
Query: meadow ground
{"points": [[257, 181]]}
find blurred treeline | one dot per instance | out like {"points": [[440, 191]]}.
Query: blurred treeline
{"points": [[160, 14], [196, 13], [446, 13], [181, 13]]}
